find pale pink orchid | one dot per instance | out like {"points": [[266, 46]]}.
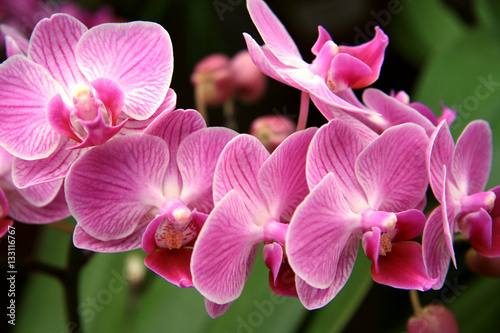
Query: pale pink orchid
{"points": [[361, 189], [77, 88], [458, 175], [38, 204], [335, 68], [153, 190], [255, 195]]}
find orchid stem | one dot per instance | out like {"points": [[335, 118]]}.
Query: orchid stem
{"points": [[229, 115], [415, 302], [304, 111], [200, 101]]}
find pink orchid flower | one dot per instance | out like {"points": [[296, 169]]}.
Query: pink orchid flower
{"points": [[38, 204], [152, 190], [458, 175], [365, 189], [335, 68], [255, 195], [77, 87]]}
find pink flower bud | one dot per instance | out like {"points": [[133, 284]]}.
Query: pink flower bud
{"points": [[213, 76], [249, 80], [271, 130], [482, 265], [433, 319]]}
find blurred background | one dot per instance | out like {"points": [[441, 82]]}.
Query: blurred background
{"points": [[444, 51]]}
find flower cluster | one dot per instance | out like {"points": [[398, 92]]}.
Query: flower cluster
{"points": [[88, 116]]}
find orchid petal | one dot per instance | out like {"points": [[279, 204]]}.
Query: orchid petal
{"points": [[173, 266], [59, 118], [136, 55], [403, 268], [449, 213], [274, 33], [215, 310], [478, 228], [15, 42], [225, 250], [410, 224], [111, 95], [52, 45], [391, 169], [323, 37], [273, 257], [347, 71], [282, 177], [135, 174], [283, 283], [393, 111], [237, 168], [148, 238], [26, 91], [335, 148], [314, 298], [82, 240], [267, 62], [173, 128], [138, 126], [197, 157], [371, 53], [434, 248], [41, 194], [371, 245], [439, 154], [472, 158], [23, 211], [56, 166], [318, 233]]}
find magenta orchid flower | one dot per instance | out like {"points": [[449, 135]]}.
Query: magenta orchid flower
{"points": [[335, 68], [255, 196], [152, 190], [37, 204], [361, 189], [77, 87], [458, 175]]}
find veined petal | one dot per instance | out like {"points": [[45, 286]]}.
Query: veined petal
{"points": [[267, 62], [56, 166], [314, 298], [393, 111], [41, 194], [15, 41], [391, 169], [173, 127], [335, 148], [136, 55], [138, 126], [472, 157], [26, 91], [434, 248], [439, 155], [173, 265], [215, 310], [83, 240], [21, 210], [318, 233], [237, 168], [52, 45], [403, 268], [197, 157], [274, 33], [125, 177], [224, 252], [282, 176]]}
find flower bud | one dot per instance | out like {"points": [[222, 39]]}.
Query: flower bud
{"points": [[272, 130], [250, 82], [433, 319], [212, 77]]}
